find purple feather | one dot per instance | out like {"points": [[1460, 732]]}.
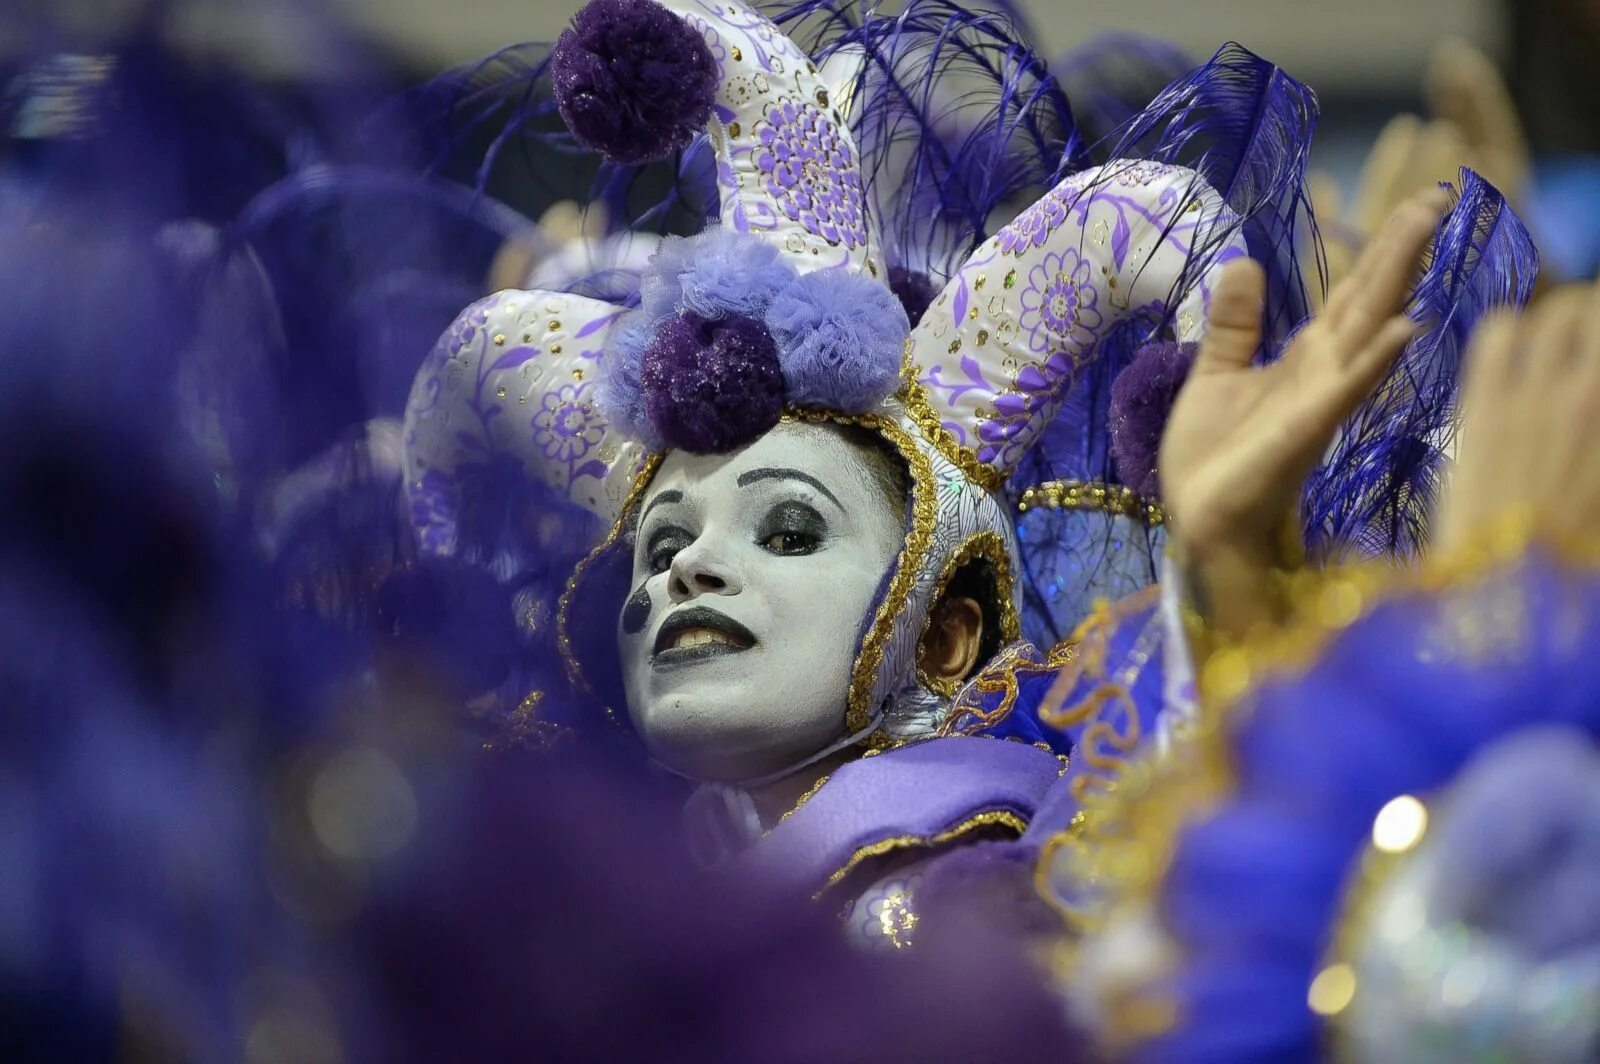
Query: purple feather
{"points": [[711, 386], [841, 336], [633, 81], [1141, 401]]}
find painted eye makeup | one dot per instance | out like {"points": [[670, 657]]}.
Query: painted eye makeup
{"points": [[664, 543], [792, 528]]}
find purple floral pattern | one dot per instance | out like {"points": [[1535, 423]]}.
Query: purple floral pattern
{"points": [[1031, 228], [566, 427], [1060, 307], [432, 500], [808, 168]]}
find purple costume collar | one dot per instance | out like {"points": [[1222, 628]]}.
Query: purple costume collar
{"points": [[913, 797]]}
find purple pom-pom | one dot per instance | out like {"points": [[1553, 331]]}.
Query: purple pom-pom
{"points": [[617, 392], [842, 336], [914, 289], [711, 386], [718, 273], [633, 81], [1141, 401]]}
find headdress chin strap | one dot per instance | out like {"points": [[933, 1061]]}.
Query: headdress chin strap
{"points": [[720, 817]]}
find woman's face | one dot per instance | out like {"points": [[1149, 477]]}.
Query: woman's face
{"points": [[752, 575]]}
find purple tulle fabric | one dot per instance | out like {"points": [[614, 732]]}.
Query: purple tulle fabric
{"points": [[617, 393], [1141, 401], [717, 273], [633, 81], [841, 336], [914, 289], [710, 386]]}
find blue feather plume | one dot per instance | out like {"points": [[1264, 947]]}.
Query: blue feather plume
{"points": [[1373, 494], [957, 119], [1244, 126]]}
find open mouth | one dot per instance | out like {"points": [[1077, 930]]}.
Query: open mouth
{"points": [[698, 633]]}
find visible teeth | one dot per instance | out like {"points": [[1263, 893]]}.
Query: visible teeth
{"points": [[695, 637]]}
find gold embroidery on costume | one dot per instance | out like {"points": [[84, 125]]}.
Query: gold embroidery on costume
{"points": [[1091, 495], [1002, 818]]}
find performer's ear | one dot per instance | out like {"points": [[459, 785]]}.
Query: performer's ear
{"points": [[949, 650]]}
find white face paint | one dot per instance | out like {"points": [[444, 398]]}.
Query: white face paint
{"points": [[759, 567]]}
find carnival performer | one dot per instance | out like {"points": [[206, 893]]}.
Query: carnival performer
{"points": [[810, 603]]}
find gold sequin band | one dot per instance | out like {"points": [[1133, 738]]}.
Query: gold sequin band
{"points": [[1091, 495]]}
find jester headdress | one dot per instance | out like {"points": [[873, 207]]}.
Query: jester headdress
{"points": [[783, 310]]}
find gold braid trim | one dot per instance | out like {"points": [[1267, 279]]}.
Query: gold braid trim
{"points": [[1003, 818], [1091, 495], [641, 481], [990, 547], [800, 802], [915, 399]]}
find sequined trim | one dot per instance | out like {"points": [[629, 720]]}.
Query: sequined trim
{"points": [[524, 730], [990, 547], [811, 792], [1091, 495], [992, 818], [915, 400]]}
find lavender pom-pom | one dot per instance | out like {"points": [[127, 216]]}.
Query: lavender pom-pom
{"points": [[711, 385], [633, 81], [715, 274], [1141, 401], [842, 336], [618, 394], [914, 289]]}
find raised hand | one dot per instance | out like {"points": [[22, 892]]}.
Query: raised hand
{"points": [[1242, 438], [1529, 411]]}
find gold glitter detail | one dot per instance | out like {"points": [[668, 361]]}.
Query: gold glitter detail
{"points": [[1002, 818], [641, 481], [977, 285], [499, 339], [990, 547], [928, 421], [525, 731], [1098, 233], [982, 338], [555, 326], [1011, 279], [811, 792], [734, 129], [577, 374], [1091, 495], [896, 919], [555, 349], [500, 392], [822, 97], [955, 345], [1003, 676], [734, 51]]}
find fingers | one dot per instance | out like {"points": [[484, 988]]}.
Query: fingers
{"points": [[1382, 277], [1385, 177], [1233, 326], [1466, 89]]}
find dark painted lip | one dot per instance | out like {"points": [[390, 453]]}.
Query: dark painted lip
{"points": [[699, 617], [679, 657]]}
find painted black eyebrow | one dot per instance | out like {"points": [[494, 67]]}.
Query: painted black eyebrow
{"points": [[672, 495], [753, 475]]}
